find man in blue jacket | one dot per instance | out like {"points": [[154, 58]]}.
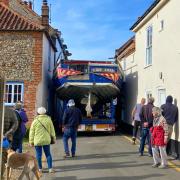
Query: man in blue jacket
{"points": [[170, 112], [71, 119]]}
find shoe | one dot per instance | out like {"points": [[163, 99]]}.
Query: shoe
{"points": [[51, 170], [67, 155], [162, 167], [150, 155], [40, 170], [133, 140], [155, 165], [140, 154], [73, 155]]}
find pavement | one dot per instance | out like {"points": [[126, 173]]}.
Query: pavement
{"points": [[106, 157]]}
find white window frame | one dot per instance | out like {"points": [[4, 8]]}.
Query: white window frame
{"points": [[158, 90], [13, 84], [149, 32]]}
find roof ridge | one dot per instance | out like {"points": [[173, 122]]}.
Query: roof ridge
{"points": [[31, 24]]}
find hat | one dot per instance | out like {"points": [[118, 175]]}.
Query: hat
{"points": [[18, 105], [71, 103], [41, 111]]}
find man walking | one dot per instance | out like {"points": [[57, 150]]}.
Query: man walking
{"points": [[10, 126], [146, 122], [170, 113], [136, 119], [71, 120]]}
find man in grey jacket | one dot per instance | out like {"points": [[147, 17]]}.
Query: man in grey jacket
{"points": [[10, 126]]}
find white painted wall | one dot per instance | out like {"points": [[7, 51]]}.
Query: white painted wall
{"points": [[131, 80], [165, 56]]}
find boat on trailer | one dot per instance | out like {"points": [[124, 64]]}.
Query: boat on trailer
{"points": [[95, 87]]}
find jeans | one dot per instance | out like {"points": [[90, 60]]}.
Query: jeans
{"points": [[137, 125], [145, 134], [47, 153], [17, 144], [70, 133]]}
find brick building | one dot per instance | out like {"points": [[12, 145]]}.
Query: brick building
{"points": [[28, 48]]}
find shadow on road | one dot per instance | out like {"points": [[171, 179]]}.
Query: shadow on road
{"points": [[113, 178], [99, 156], [100, 166]]}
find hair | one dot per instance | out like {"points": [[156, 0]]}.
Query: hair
{"points": [[151, 100], [157, 110]]}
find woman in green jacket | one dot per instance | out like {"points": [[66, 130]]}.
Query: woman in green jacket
{"points": [[40, 137]]}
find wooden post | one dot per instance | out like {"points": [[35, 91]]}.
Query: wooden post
{"points": [[2, 85]]}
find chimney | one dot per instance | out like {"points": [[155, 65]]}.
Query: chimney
{"points": [[30, 5], [45, 14], [25, 3], [6, 2]]}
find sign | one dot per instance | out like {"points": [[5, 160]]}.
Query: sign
{"points": [[2, 83]]}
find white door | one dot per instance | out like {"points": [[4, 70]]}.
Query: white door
{"points": [[161, 96]]}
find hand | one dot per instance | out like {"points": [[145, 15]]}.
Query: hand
{"points": [[145, 124], [31, 145], [62, 129], [165, 141]]}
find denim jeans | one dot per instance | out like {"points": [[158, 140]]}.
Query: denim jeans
{"points": [[70, 133], [145, 134], [47, 153], [17, 144]]}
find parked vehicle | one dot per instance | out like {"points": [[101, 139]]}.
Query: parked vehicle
{"points": [[95, 86]]}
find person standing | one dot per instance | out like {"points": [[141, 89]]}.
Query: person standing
{"points": [[10, 126], [21, 130], [146, 123], [159, 137], [170, 113], [40, 134], [136, 119], [71, 119]]}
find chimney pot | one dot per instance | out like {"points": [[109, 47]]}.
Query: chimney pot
{"points": [[45, 14], [30, 4], [25, 2]]}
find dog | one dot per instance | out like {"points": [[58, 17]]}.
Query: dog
{"points": [[25, 160]]}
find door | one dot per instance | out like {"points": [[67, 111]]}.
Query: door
{"points": [[161, 96]]}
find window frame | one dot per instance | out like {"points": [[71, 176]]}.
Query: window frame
{"points": [[13, 84], [149, 32]]}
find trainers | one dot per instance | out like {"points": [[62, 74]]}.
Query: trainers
{"points": [[40, 170], [140, 154], [66, 155], [162, 167], [150, 155], [133, 140], [155, 165], [51, 170]]}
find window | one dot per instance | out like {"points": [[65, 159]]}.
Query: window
{"points": [[124, 64], [149, 46], [148, 94], [14, 92]]}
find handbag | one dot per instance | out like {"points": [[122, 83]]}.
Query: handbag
{"points": [[52, 137]]}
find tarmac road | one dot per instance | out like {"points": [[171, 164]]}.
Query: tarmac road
{"points": [[105, 157]]}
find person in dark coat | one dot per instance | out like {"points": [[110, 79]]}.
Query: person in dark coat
{"points": [[146, 117], [10, 126], [71, 119], [170, 113], [21, 130]]}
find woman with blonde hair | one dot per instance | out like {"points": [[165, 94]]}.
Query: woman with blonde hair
{"points": [[40, 136], [159, 138]]}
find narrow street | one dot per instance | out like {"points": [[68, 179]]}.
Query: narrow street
{"points": [[105, 158]]}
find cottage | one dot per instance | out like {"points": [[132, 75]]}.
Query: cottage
{"points": [[29, 49]]}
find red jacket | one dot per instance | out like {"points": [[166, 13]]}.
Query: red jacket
{"points": [[157, 137]]}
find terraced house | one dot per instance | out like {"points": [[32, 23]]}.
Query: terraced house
{"points": [[153, 68], [29, 49]]}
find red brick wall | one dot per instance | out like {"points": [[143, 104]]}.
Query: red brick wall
{"points": [[30, 88]]}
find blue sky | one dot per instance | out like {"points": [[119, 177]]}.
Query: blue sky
{"points": [[93, 29]]}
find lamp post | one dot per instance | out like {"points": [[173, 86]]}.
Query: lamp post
{"points": [[2, 85]]}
